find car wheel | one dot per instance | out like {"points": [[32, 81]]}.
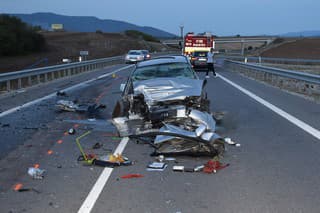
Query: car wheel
{"points": [[119, 110]]}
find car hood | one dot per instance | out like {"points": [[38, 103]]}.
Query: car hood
{"points": [[167, 89]]}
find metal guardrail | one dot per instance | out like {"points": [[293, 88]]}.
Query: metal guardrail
{"points": [[29, 77], [280, 72], [253, 59]]}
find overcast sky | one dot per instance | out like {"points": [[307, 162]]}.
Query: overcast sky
{"points": [[223, 17]]}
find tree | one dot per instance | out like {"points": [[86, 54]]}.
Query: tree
{"points": [[140, 35], [18, 38]]}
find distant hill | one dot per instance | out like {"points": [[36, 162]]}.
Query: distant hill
{"points": [[313, 33], [88, 24]]}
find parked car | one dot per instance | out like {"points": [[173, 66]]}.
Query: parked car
{"points": [[156, 89], [199, 59], [134, 56], [146, 54]]}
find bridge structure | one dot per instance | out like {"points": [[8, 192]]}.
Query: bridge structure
{"points": [[221, 40]]}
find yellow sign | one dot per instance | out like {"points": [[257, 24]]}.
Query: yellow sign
{"points": [[57, 26]]}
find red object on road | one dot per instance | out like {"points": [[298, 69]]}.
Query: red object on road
{"points": [[131, 176], [213, 166]]}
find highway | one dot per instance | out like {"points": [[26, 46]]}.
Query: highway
{"points": [[276, 168]]}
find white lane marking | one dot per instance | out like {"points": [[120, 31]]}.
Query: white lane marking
{"points": [[306, 127], [93, 196], [12, 110]]}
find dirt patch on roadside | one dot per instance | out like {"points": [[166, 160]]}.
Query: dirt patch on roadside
{"points": [[306, 48]]}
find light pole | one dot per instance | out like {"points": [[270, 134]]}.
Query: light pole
{"points": [[182, 40]]}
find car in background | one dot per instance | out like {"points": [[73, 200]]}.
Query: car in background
{"points": [[134, 56], [146, 54], [199, 59]]}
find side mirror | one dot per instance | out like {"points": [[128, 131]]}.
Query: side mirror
{"points": [[122, 86]]}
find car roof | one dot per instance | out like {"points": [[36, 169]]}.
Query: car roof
{"points": [[164, 60], [135, 51]]}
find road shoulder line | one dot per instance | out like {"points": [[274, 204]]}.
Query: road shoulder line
{"points": [[96, 190], [304, 126]]}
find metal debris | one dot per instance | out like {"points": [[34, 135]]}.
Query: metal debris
{"points": [[71, 106], [36, 173]]}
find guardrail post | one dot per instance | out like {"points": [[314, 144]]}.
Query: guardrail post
{"points": [[8, 85], [29, 81], [38, 79], [45, 77], [19, 83]]}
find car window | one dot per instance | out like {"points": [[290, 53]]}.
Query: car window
{"points": [[134, 53], [172, 70]]}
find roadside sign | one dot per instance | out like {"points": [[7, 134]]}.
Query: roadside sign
{"points": [[84, 52]]}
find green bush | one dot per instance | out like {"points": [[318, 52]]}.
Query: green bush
{"points": [[140, 35], [18, 38]]}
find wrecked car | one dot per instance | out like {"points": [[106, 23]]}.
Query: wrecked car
{"points": [[161, 89], [164, 103]]}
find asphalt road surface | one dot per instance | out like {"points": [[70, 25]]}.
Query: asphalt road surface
{"points": [[276, 168]]}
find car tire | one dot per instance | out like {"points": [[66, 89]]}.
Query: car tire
{"points": [[119, 110]]}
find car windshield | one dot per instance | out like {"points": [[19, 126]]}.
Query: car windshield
{"points": [[172, 70], [134, 53], [200, 54]]}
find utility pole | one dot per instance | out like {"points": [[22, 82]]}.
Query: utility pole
{"points": [[182, 40]]}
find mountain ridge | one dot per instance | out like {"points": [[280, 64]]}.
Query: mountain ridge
{"points": [[87, 24], [307, 33]]}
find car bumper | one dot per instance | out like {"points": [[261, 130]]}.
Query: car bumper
{"points": [[132, 60], [200, 64]]}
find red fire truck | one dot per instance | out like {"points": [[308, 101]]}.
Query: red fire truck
{"points": [[200, 42]]}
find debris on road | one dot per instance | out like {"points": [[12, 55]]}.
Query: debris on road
{"points": [[178, 168], [97, 145], [218, 116], [230, 142], [187, 169], [212, 166], [104, 161], [36, 173], [61, 93], [198, 168], [5, 125], [157, 166], [128, 176], [71, 106], [71, 131]]}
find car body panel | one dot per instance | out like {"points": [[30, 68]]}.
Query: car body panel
{"points": [[166, 89]]}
